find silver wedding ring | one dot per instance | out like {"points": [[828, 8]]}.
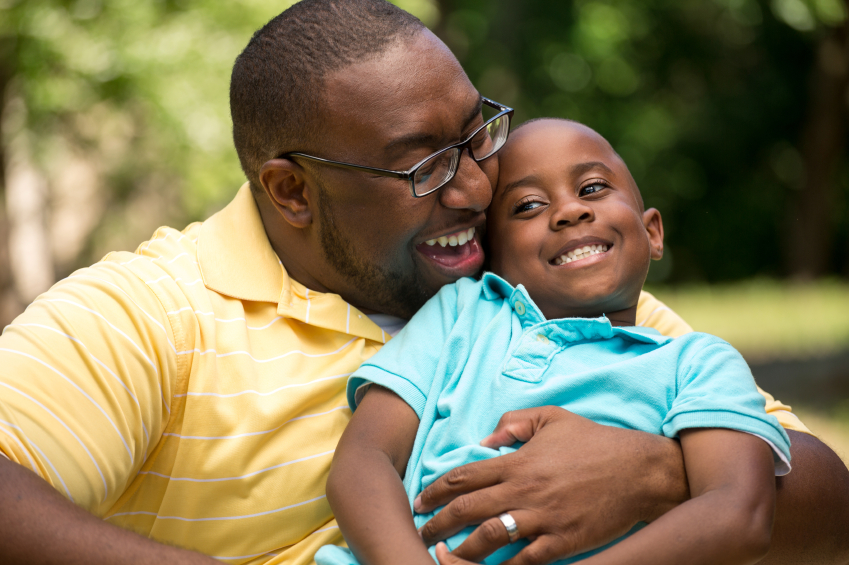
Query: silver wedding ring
{"points": [[510, 524]]}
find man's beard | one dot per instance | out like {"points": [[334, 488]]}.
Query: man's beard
{"points": [[388, 291]]}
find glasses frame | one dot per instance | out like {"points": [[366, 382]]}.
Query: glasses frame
{"points": [[410, 174]]}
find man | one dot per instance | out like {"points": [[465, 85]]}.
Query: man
{"points": [[194, 391]]}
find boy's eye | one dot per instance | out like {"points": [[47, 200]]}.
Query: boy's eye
{"points": [[592, 189], [526, 206]]}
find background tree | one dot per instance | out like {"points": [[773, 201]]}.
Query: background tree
{"points": [[730, 113]]}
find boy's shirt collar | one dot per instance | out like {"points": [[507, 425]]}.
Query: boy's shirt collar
{"points": [[563, 329]]}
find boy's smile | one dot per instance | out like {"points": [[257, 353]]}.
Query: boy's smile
{"points": [[567, 222]]}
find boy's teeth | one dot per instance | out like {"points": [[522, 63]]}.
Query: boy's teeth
{"points": [[580, 253], [455, 239]]}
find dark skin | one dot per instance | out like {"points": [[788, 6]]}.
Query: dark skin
{"points": [[646, 472], [418, 101], [562, 185], [480, 491]]}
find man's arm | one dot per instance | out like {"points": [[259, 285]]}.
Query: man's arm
{"points": [[728, 520], [364, 486], [86, 378], [42, 527], [812, 510], [590, 483]]}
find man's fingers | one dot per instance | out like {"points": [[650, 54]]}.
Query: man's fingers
{"points": [[467, 509], [458, 481], [518, 425], [541, 551], [491, 535], [446, 558]]}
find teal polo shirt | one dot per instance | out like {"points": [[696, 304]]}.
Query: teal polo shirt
{"points": [[481, 348]]}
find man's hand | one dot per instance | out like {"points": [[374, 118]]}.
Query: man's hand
{"points": [[575, 485]]}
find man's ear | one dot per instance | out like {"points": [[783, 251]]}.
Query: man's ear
{"points": [[654, 229], [285, 184]]}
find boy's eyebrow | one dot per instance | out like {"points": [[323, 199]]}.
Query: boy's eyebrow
{"points": [[577, 170], [524, 181], [582, 168]]}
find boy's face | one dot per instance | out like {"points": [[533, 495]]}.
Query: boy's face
{"points": [[561, 189]]}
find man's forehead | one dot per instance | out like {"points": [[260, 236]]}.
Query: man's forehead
{"points": [[406, 95]]}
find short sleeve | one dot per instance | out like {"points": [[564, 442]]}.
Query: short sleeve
{"points": [[408, 364], [653, 313], [86, 378], [716, 390]]}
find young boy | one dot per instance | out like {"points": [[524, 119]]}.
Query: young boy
{"points": [[571, 241]]}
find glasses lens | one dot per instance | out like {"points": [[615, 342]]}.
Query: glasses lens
{"points": [[491, 138], [435, 172]]}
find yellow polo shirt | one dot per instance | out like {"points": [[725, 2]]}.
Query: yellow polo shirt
{"points": [[191, 391]]}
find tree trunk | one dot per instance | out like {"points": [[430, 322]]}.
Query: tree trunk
{"points": [[30, 260], [812, 225]]}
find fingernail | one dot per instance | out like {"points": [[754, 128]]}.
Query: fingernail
{"points": [[417, 503]]}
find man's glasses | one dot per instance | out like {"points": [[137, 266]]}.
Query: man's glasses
{"points": [[437, 169]]}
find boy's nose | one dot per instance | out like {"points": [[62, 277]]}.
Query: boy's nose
{"points": [[571, 212]]}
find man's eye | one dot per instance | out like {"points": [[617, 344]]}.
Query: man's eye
{"points": [[592, 189]]}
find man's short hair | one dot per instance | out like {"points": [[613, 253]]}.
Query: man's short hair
{"points": [[276, 85]]}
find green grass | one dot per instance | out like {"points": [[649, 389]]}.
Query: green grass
{"points": [[765, 319]]}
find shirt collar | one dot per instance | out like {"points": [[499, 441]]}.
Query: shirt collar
{"points": [[237, 260], [567, 329]]}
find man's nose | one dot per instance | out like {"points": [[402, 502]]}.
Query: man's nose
{"points": [[470, 188], [571, 211]]}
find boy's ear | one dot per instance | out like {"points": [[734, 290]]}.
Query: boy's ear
{"points": [[286, 185], [654, 229]]}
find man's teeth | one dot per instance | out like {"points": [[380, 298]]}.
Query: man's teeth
{"points": [[580, 253], [455, 239]]}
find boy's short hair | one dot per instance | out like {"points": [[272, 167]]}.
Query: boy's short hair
{"points": [[557, 119]]}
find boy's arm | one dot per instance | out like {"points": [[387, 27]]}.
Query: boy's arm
{"points": [[728, 520], [364, 487]]}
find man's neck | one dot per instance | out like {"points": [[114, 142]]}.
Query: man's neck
{"points": [[287, 244]]}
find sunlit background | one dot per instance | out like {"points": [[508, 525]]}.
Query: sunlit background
{"points": [[731, 114]]}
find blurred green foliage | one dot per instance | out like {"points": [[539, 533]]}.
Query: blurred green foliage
{"points": [[141, 88], [705, 99]]}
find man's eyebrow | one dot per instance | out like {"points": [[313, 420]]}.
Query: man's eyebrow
{"points": [[419, 139]]}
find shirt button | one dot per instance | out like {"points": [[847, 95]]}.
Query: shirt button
{"points": [[541, 338], [520, 308]]}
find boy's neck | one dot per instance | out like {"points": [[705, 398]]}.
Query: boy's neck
{"points": [[627, 317]]}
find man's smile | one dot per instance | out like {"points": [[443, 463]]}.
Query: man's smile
{"points": [[456, 254]]}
